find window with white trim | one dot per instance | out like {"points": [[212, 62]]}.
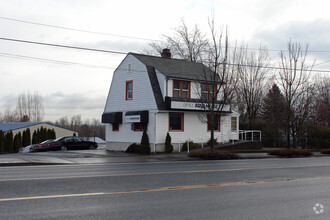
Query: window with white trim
{"points": [[233, 124], [181, 89], [129, 90]]}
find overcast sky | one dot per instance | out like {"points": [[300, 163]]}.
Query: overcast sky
{"points": [[69, 89]]}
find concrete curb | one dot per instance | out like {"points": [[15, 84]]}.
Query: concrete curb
{"points": [[38, 161]]}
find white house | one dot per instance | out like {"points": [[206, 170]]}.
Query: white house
{"points": [[161, 95]]}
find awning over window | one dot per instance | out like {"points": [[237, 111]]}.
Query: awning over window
{"points": [[112, 117], [137, 117]]}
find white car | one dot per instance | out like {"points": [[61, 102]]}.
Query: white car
{"points": [[28, 149]]}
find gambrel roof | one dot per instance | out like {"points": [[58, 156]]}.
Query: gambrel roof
{"points": [[177, 68]]}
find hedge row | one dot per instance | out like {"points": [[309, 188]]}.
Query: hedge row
{"points": [[291, 153], [213, 155], [325, 151]]}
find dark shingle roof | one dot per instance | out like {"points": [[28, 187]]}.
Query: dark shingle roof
{"points": [[175, 68], [155, 88]]}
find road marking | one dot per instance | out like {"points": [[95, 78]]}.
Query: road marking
{"points": [[171, 188], [158, 173]]}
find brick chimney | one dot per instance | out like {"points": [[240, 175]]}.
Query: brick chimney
{"points": [[166, 53]]}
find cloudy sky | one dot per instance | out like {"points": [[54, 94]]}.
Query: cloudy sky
{"points": [[75, 82]]}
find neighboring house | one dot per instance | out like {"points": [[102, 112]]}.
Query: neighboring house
{"points": [[16, 127], [161, 95]]}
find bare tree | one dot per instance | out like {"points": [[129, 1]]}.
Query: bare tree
{"points": [[185, 44], [30, 107], [297, 89], [75, 122], [63, 122], [10, 116], [220, 78], [252, 69], [321, 109], [218, 75]]}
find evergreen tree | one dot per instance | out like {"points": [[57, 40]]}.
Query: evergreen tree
{"points": [[9, 142], [42, 134], [145, 145], [26, 137], [19, 140], [51, 134], [46, 134], [2, 141], [273, 111], [16, 144], [168, 144], [23, 138], [34, 137], [38, 138]]}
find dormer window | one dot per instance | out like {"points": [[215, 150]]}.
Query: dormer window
{"points": [[181, 89], [208, 91]]}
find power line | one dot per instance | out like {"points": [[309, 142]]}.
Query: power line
{"points": [[38, 59], [124, 53], [125, 36], [63, 46], [107, 67], [75, 29]]}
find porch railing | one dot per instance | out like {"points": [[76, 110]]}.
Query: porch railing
{"points": [[250, 135]]}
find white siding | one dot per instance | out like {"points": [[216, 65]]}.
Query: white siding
{"points": [[141, 88], [143, 99], [194, 129], [127, 135]]}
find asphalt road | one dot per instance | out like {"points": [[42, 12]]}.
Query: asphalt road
{"points": [[237, 189]]}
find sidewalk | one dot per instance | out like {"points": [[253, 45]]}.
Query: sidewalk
{"points": [[103, 156]]}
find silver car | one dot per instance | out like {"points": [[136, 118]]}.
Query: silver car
{"points": [[28, 149]]}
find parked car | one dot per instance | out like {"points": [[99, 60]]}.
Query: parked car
{"points": [[43, 146], [71, 143], [28, 149]]}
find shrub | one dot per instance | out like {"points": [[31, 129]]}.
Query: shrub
{"points": [[215, 142], [192, 146], [145, 145], [133, 148], [291, 153], [168, 144], [213, 155], [325, 151]]}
